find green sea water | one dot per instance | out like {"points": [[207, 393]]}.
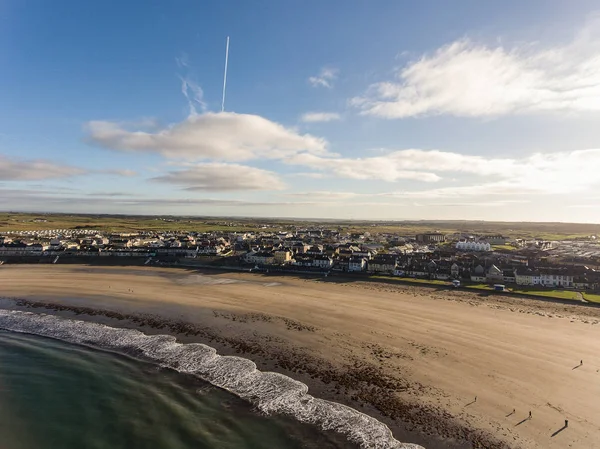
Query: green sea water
{"points": [[61, 396]]}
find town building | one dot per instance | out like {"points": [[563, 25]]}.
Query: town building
{"points": [[471, 245], [433, 237]]}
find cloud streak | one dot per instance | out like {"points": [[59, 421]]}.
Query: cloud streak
{"points": [[219, 177], [38, 169], [20, 199], [194, 95], [325, 78], [311, 117]]}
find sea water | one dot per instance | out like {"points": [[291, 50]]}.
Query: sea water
{"points": [[56, 394]]}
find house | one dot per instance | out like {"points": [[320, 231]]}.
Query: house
{"points": [[454, 270], [508, 276], [496, 239], [478, 274], [494, 274], [556, 278], [315, 250], [526, 276], [174, 252], [331, 250], [433, 237], [283, 256], [299, 248], [323, 262], [120, 243], [383, 263], [341, 264], [416, 271], [581, 282], [303, 260], [364, 253], [442, 274], [357, 264], [260, 258], [210, 249], [471, 245]]}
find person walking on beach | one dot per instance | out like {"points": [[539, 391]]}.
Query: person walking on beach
{"points": [[581, 363], [566, 423], [475, 399], [530, 414]]}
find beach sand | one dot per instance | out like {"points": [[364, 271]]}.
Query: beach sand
{"points": [[413, 357]]}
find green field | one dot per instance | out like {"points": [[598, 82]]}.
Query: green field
{"points": [[591, 297], [503, 248], [479, 286], [544, 231], [561, 294], [28, 222], [415, 280], [122, 223]]}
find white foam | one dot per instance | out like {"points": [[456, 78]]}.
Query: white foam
{"points": [[271, 392]]}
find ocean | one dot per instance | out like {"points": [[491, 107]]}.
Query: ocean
{"points": [[95, 386]]}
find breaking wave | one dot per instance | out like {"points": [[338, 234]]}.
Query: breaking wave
{"points": [[270, 392]]}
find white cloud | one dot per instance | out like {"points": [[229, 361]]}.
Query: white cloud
{"points": [[48, 200], [538, 174], [220, 136], [324, 194], [118, 172], [553, 173], [361, 168], [475, 80], [312, 175], [28, 170], [310, 117], [325, 78], [218, 177]]}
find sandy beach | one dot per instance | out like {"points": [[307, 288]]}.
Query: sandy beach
{"points": [[444, 369]]}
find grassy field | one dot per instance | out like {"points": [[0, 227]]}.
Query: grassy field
{"points": [[418, 281], [121, 223], [591, 297], [479, 286], [544, 231], [28, 222], [503, 248], [561, 294]]}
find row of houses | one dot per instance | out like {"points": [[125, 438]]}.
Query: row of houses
{"points": [[442, 269]]}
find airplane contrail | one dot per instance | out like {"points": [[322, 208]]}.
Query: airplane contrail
{"points": [[225, 75]]}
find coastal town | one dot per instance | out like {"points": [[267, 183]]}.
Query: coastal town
{"points": [[469, 259]]}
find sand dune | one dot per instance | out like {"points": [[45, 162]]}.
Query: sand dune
{"points": [[413, 357]]}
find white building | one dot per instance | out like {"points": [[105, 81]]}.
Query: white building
{"points": [[324, 262], [357, 264], [548, 279], [470, 245], [527, 277]]}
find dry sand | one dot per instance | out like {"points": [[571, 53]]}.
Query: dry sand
{"points": [[413, 357]]}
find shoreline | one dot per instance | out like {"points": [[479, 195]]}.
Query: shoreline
{"points": [[320, 375], [232, 313]]}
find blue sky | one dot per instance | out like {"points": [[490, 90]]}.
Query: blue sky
{"points": [[382, 110]]}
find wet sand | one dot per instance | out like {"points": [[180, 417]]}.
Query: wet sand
{"points": [[413, 357]]}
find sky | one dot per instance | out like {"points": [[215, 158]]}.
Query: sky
{"points": [[382, 110]]}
